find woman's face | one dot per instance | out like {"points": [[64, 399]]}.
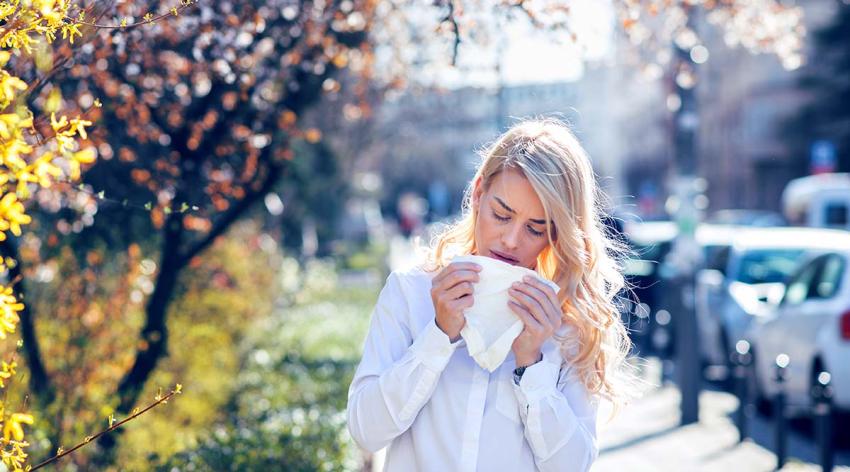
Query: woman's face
{"points": [[510, 224]]}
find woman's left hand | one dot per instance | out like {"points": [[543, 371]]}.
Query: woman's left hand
{"points": [[538, 307]]}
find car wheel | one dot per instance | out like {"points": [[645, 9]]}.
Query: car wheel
{"points": [[817, 368]]}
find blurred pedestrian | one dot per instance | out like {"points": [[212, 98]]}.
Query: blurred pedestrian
{"points": [[532, 203]]}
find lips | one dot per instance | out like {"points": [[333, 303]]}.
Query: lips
{"points": [[503, 257]]}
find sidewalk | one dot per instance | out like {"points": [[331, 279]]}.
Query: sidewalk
{"points": [[645, 436]]}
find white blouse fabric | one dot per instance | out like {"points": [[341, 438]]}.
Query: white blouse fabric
{"points": [[437, 410]]}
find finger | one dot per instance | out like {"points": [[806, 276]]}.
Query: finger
{"points": [[461, 303], [466, 266], [458, 277], [531, 304], [456, 266], [529, 321], [544, 295], [550, 293], [459, 290]]}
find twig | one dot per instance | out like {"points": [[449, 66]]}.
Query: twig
{"points": [[89, 439], [174, 11], [451, 20]]}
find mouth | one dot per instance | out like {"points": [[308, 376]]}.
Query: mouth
{"points": [[503, 257]]}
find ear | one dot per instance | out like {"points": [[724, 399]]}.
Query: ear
{"points": [[477, 191]]}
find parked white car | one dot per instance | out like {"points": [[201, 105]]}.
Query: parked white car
{"points": [[759, 262], [811, 326], [716, 242]]}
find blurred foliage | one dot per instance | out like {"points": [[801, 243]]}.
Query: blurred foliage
{"points": [[96, 312], [288, 409], [37, 150], [365, 257], [314, 190]]}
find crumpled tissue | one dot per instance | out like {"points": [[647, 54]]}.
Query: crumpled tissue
{"points": [[491, 326]]}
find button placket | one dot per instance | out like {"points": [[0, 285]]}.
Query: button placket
{"points": [[474, 418]]}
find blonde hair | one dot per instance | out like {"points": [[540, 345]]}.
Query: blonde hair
{"points": [[582, 259]]}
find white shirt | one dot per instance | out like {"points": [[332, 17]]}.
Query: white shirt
{"points": [[437, 410]]}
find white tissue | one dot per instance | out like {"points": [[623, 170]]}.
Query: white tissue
{"points": [[491, 326]]}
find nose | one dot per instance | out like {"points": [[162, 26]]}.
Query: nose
{"points": [[511, 235]]}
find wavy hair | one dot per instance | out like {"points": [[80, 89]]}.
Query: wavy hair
{"points": [[582, 259]]}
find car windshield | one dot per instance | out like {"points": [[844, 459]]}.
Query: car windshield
{"points": [[767, 265]]}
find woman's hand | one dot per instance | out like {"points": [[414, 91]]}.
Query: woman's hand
{"points": [[451, 293], [538, 307]]}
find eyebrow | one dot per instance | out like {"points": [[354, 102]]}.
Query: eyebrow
{"points": [[539, 222]]}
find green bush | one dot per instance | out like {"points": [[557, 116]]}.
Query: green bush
{"points": [[288, 408]]}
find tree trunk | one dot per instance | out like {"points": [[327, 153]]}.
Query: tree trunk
{"points": [[154, 335], [39, 381]]}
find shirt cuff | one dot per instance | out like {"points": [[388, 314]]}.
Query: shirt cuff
{"points": [[538, 381], [433, 347]]}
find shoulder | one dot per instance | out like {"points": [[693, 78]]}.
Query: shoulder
{"points": [[408, 293], [412, 278]]}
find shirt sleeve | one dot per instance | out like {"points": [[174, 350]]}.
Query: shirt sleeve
{"points": [[397, 374], [559, 417]]}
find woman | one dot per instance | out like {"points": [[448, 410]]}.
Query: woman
{"points": [[533, 203]]}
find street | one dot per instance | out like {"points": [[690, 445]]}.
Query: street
{"points": [[645, 436]]}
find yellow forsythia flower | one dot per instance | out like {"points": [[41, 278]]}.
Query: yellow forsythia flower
{"points": [[13, 428], [12, 215]]}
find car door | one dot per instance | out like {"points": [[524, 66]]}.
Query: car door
{"points": [[804, 324], [774, 334]]}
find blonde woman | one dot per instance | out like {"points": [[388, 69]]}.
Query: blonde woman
{"points": [[532, 203]]}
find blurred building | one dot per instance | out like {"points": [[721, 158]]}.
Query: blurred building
{"points": [[743, 101], [433, 136]]}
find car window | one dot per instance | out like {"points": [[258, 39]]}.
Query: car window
{"points": [[800, 284], [717, 257], [835, 214], [828, 279], [760, 266]]}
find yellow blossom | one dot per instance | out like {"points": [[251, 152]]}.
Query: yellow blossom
{"points": [[71, 30], [78, 126], [7, 372], [12, 215], [9, 85], [13, 428]]}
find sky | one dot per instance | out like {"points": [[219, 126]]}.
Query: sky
{"points": [[529, 55], [532, 56]]}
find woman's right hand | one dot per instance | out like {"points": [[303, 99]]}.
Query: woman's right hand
{"points": [[451, 293]]}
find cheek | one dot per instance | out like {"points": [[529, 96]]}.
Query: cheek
{"points": [[483, 226], [536, 247]]}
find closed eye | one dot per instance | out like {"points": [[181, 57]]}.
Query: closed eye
{"points": [[530, 228], [534, 231]]}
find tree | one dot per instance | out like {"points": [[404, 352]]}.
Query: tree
{"points": [[198, 122], [826, 81], [41, 147]]}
